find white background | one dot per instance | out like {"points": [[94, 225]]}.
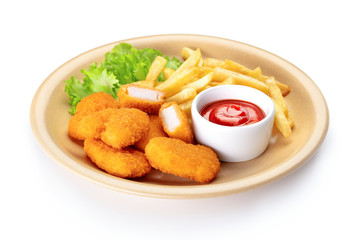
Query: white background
{"points": [[42, 200]]}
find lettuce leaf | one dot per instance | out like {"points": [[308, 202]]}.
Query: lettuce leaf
{"points": [[124, 64], [96, 80]]}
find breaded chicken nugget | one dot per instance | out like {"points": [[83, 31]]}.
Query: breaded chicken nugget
{"points": [[116, 127], [146, 99], [96, 102], [126, 127], [182, 159], [80, 125], [175, 122], [89, 125], [156, 130], [125, 163]]}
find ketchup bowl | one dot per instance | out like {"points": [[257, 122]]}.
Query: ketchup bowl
{"points": [[235, 121]]}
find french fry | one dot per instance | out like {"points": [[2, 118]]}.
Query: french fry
{"points": [[186, 107], [236, 67], [178, 79], [221, 74], [168, 72], [281, 122], [213, 63], [280, 103], [207, 70], [192, 61], [285, 89], [291, 120], [204, 88], [276, 95], [256, 73], [200, 83], [155, 69], [213, 84], [183, 96], [186, 53], [228, 81]]}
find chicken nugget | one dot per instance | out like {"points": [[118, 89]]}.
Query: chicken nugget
{"points": [[156, 130], [116, 127], [124, 163], [176, 157], [175, 122], [81, 125], [96, 102], [89, 125], [126, 127], [146, 99]]}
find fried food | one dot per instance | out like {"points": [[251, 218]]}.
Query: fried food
{"points": [[125, 127], [156, 130], [125, 163], [176, 157], [221, 74], [81, 125], [167, 73], [116, 127], [186, 107], [89, 125], [173, 84], [146, 99], [183, 96], [156, 68], [96, 102], [256, 73], [175, 122]]}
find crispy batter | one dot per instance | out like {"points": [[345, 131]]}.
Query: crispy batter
{"points": [[116, 127], [132, 96], [182, 159], [175, 122], [156, 130], [81, 125], [125, 163], [96, 102], [126, 127], [89, 125]]}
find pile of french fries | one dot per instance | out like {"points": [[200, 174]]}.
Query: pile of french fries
{"points": [[197, 74]]}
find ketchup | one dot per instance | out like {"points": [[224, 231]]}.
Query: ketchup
{"points": [[232, 112]]}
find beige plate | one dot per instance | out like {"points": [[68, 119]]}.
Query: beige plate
{"points": [[49, 120]]}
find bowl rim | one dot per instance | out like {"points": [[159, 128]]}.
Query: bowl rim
{"points": [[196, 113]]}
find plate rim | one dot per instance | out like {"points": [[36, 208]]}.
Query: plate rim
{"points": [[183, 192]]}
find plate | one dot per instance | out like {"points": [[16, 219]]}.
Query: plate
{"points": [[49, 120]]}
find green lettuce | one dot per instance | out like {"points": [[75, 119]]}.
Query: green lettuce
{"points": [[124, 64]]}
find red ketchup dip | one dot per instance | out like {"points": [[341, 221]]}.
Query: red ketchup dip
{"points": [[232, 112]]}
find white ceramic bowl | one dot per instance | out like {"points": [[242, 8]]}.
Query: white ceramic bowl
{"points": [[233, 143]]}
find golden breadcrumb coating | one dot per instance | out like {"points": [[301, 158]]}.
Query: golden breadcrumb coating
{"points": [[89, 125], [116, 127], [96, 102], [175, 122], [124, 163], [126, 127], [182, 159], [81, 125], [156, 130], [145, 104]]}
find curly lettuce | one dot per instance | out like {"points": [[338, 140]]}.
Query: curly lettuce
{"points": [[124, 64]]}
